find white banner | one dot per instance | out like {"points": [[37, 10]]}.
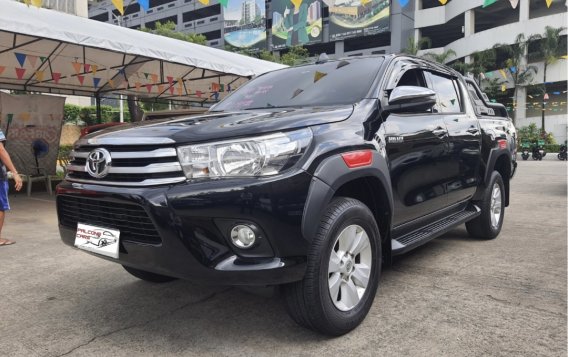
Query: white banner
{"points": [[32, 125]]}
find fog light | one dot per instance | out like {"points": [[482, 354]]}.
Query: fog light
{"points": [[242, 236]]}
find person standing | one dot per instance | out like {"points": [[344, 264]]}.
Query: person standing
{"points": [[6, 163]]}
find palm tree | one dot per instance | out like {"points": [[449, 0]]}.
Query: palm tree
{"points": [[550, 47], [413, 47], [481, 62], [493, 87], [521, 75], [441, 57]]}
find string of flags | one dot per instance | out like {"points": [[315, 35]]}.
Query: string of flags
{"points": [[86, 75], [486, 3]]}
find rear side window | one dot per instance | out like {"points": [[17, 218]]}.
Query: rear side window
{"points": [[448, 93]]}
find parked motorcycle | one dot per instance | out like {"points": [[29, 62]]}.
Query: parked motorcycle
{"points": [[562, 154], [525, 150], [538, 150]]}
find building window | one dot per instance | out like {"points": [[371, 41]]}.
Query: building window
{"points": [[130, 9], [213, 19], [155, 3], [212, 35], [102, 17], [200, 22]]}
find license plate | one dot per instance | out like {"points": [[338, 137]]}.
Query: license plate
{"points": [[541, 151], [98, 240]]}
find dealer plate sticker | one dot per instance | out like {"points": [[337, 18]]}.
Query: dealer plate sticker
{"points": [[99, 240]]}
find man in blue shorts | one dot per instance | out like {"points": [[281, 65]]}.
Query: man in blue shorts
{"points": [[6, 163]]}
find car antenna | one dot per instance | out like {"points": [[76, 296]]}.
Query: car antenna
{"points": [[322, 58]]}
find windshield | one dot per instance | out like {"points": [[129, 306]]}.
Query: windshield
{"points": [[330, 83]]}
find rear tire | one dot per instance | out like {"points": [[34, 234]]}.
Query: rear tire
{"points": [[488, 224], [148, 276], [344, 265]]}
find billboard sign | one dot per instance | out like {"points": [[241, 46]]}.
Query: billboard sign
{"points": [[296, 22], [354, 18], [245, 24]]}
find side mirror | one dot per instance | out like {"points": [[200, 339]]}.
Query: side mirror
{"points": [[411, 98]]}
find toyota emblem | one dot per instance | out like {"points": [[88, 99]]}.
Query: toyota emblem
{"points": [[98, 163]]}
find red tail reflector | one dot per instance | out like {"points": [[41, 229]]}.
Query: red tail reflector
{"points": [[502, 144], [358, 158]]}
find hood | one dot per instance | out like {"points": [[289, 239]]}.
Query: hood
{"points": [[218, 126]]}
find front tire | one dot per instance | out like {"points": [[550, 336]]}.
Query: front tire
{"points": [[148, 276], [488, 224], [344, 265]]}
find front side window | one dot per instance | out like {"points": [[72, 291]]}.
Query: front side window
{"points": [[329, 83], [447, 90]]}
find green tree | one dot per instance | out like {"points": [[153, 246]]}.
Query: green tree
{"points": [[521, 75], [532, 134], [550, 47], [413, 47], [71, 113], [481, 61], [441, 57], [294, 56], [492, 87]]}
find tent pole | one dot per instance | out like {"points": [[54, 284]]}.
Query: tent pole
{"points": [[98, 104]]}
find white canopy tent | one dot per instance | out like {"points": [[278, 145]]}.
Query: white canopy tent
{"points": [[47, 51]]}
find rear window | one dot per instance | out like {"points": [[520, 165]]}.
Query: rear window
{"points": [[330, 83]]}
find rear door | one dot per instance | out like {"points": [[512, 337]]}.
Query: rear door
{"points": [[464, 147]]}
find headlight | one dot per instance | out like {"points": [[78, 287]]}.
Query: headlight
{"points": [[260, 156]]}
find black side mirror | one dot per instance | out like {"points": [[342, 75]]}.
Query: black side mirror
{"points": [[411, 99]]}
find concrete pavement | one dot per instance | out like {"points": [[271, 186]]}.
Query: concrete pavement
{"points": [[455, 296]]}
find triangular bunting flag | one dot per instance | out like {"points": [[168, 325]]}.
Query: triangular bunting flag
{"points": [[170, 80], [221, 87], [403, 3], [503, 73], [204, 2], [81, 79], [111, 83], [149, 87], [514, 3], [160, 88], [228, 87], [37, 3], [198, 93], [96, 81], [513, 69], [21, 58], [319, 75], [20, 72], [146, 75], [503, 88], [87, 67], [39, 75], [2, 68], [32, 60], [145, 4], [76, 67], [488, 2], [42, 59], [119, 4], [215, 87], [548, 3], [154, 78], [94, 68], [443, 2], [172, 88], [56, 77], [216, 95], [137, 85], [179, 90], [224, 2]]}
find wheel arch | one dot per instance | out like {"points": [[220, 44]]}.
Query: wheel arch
{"points": [[369, 184], [500, 161]]}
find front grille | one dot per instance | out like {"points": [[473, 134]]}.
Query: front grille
{"points": [[130, 219], [132, 165]]}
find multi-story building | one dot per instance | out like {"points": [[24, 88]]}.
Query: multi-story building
{"points": [[463, 26], [249, 11]]}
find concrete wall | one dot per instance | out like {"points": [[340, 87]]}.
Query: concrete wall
{"points": [[555, 124]]}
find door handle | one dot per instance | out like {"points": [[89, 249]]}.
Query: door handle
{"points": [[441, 132], [473, 130]]}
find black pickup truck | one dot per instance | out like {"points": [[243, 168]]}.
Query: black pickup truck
{"points": [[310, 178]]}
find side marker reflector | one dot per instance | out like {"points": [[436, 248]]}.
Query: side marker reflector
{"points": [[502, 144], [356, 159]]}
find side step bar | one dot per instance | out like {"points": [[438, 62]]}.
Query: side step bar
{"points": [[421, 236]]}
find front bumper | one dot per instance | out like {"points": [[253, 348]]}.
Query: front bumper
{"points": [[191, 222]]}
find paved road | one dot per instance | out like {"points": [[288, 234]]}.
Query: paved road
{"points": [[453, 297]]}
